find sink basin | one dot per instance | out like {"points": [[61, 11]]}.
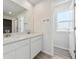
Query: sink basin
{"points": [[7, 35]]}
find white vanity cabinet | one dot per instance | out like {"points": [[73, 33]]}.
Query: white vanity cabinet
{"points": [[17, 50], [10, 55], [22, 53], [36, 46], [8, 51], [24, 48]]}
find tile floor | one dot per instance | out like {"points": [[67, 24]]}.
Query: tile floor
{"points": [[58, 54], [64, 54]]}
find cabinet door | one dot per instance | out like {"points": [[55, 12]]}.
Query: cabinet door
{"points": [[35, 47], [10, 55], [23, 52]]}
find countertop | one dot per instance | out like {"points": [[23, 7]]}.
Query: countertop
{"points": [[18, 36]]}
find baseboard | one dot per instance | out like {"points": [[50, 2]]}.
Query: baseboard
{"points": [[62, 48]]}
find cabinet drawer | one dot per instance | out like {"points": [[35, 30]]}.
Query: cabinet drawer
{"points": [[15, 45]]}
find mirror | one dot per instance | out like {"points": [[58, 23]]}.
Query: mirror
{"points": [[13, 18]]}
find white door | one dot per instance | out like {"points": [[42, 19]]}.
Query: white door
{"points": [[77, 27], [72, 38], [23, 52]]}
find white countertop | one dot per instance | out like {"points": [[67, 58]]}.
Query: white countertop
{"points": [[18, 36]]}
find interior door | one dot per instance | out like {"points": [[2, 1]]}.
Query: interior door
{"points": [[77, 28], [72, 38]]}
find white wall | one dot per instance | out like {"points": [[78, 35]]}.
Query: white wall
{"points": [[42, 23], [61, 39]]}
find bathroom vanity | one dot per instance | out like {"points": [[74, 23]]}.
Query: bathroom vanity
{"points": [[22, 46]]}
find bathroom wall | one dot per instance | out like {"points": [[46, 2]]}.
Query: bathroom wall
{"points": [[42, 23]]}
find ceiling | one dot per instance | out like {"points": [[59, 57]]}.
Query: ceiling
{"points": [[34, 2], [58, 0], [10, 6], [11, 9]]}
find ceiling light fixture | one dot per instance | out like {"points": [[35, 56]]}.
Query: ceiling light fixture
{"points": [[10, 12]]}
